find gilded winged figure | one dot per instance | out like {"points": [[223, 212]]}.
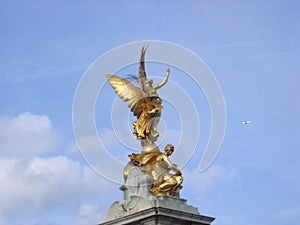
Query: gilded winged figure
{"points": [[143, 101]]}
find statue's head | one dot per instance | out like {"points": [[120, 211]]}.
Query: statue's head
{"points": [[169, 149], [149, 82]]}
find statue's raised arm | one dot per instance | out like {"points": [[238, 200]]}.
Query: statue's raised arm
{"points": [[143, 101], [146, 84], [165, 80]]}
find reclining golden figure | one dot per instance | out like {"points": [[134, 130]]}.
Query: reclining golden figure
{"points": [[158, 166]]}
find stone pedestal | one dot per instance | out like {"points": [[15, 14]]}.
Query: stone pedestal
{"points": [[139, 206], [161, 216]]}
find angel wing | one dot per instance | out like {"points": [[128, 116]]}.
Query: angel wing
{"points": [[142, 70], [125, 90]]}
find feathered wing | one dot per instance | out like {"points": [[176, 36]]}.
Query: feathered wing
{"points": [[142, 70], [125, 90]]}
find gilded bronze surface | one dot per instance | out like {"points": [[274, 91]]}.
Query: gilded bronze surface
{"points": [[158, 166], [143, 101], [146, 105]]}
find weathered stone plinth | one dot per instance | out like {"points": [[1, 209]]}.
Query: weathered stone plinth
{"points": [[161, 216], [139, 206]]}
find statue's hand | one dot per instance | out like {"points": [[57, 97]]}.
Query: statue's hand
{"points": [[168, 72]]}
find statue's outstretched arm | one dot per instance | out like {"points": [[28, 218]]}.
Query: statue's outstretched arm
{"points": [[169, 164], [157, 86]]}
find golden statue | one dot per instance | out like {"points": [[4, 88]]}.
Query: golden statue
{"points": [[146, 105], [157, 165], [144, 101]]}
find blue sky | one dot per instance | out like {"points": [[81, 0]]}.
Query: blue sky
{"points": [[251, 47]]}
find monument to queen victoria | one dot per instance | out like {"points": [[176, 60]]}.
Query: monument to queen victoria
{"points": [[152, 183]]}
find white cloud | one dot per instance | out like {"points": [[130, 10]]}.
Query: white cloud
{"points": [[47, 185], [33, 185], [39, 184], [27, 135], [89, 214]]}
